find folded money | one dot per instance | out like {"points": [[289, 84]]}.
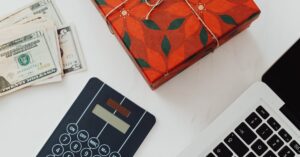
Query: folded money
{"points": [[72, 56], [36, 47], [25, 59], [46, 8], [53, 37]]}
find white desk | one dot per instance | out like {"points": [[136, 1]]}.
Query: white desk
{"points": [[183, 106]]}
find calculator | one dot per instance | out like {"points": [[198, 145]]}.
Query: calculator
{"points": [[100, 123]]}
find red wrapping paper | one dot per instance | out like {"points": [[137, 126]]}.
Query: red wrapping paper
{"points": [[173, 38]]}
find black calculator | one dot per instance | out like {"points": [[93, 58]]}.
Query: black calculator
{"points": [[100, 123]]}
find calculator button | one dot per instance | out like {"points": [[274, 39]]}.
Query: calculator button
{"points": [[115, 154], [295, 146], [57, 150], [259, 147], [264, 131], [275, 143], [65, 139], [236, 145], [86, 153], [253, 120], [72, 128], [68, 154], [286, 152], [83, 135], [75, 146], [223, 151], [245, 133], [93, 143], [262, 112], [274, 124], [285, 136], [104, 150]]}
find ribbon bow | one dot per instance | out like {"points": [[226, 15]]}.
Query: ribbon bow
{"points": [[154, 6]]}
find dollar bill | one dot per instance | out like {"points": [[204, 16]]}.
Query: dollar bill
{"points": [[25, 60], [70, 49], [28, 60], [46, 8], [50, 33], [47, 23], [71, 52], [33, 19], [53, 37]]}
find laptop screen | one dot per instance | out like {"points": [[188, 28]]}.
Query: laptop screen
{"points": [[284, 79]]}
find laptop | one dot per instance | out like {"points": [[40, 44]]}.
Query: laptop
{"points": [[264, 121]]}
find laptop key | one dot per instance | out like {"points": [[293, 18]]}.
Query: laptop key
{"points": [[262, 112], [275, 143], [286, 152], [236, 145], [222, 151], [259, 147], [245, 133], [253, 120], [269, 154], [273, 123], [285, 135], [296, 147], [264, 131], [210, 155], [251, 155]]}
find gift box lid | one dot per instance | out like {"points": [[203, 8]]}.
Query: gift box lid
{"points": [[165, 38]]}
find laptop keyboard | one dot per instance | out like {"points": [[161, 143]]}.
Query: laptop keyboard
{"points": [[259, 135]]}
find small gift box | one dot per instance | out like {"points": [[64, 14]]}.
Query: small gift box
{"points": [[163, 37]]}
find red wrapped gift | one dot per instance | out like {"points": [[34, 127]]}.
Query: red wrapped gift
{"points": [[163, 37]]}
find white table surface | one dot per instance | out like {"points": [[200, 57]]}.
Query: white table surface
{"points": [[183, 106]]}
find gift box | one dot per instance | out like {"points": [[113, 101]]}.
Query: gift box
{"points": [[163, 37]]}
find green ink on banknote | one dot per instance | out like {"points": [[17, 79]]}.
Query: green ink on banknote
{"points": [[24, 59]]}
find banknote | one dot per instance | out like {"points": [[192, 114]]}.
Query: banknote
{"points": [[46, 8], [71, 52], [25, 60], [41, 21], [70, 49], [36, 47], [32, 19], [50, 35], [53, 37], [72, 56]]}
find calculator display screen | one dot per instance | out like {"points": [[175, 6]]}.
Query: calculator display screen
{"points": [[111, 118]]}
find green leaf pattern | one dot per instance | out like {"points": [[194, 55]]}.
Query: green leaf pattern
{"points": [[176, 24], [151, 24], [228, 19], [203, 36], [126, 40], [101, 2], [166, 46], [143, 63]]}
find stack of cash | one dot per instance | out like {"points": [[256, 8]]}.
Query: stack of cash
{"points": [[36, 47]]}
